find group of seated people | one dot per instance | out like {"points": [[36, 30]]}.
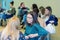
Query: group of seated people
{"points": [[39, 23]]}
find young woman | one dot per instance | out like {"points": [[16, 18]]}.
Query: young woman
{"points": [[41, 12], [33, 29], [50, 19], [22, 12], [12, 11], [11, 31], [35, 10]]}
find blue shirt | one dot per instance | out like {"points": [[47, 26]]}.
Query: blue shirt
{"points": [[33, 29], [52, 18]]}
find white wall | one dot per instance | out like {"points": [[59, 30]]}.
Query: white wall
{"points": [[53, 3]]}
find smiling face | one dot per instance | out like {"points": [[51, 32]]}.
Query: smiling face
{"points": [[47, 12], [23, 5], [29, 18]]}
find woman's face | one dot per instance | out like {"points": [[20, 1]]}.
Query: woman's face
{"points": [[10, 5], [23, 5], [46, 11], [29, 18]]}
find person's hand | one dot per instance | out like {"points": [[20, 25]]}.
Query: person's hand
{"points": [[26, 37], [33, 35], [51, 22]]}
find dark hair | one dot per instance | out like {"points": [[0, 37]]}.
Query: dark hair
{"points": [[35, 8], [34, 20], [21, 3], [12, 3], [42, 9], [50, 9]]}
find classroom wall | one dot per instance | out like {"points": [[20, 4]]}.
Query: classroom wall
{"points": [[1, 1], [53, 3], [6, 4]]}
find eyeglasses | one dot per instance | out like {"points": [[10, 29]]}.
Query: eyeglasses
{"points": [[29, 17]]}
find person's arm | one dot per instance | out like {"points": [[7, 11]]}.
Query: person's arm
{"points": [[33, 35], [26, 36], [41, 30], [41, 22], [54, 20], [18, 13], [12, 11]]}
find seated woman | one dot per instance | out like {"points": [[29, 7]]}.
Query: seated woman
{"points": [[6, 15], [11, 31], [22, 12], [41, 12], [12, 11], [33, 29], [50, 20]]}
